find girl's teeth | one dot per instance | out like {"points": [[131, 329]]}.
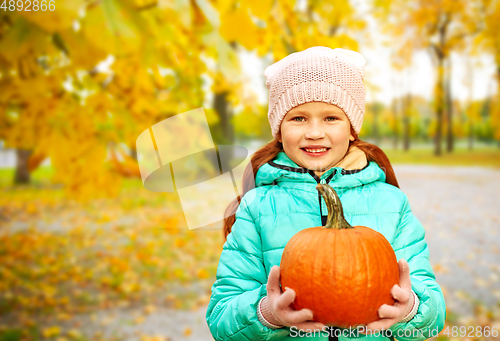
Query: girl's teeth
{"points": [[316, 150]]}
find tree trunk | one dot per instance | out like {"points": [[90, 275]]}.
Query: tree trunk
{"points": [[133, 153], [439, 106], [406, 122], [449, 109], [395, 115], [375, 124], [470, 107], [471, 136], [22, 175], [498, 92], [221, 106]]}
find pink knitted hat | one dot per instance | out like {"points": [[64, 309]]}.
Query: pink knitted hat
{"points": [[317, 74]]}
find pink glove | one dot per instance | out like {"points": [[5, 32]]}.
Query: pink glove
{"points": [[276, 309]]}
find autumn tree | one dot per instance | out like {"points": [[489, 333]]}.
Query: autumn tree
{"points": [[402, 62], [489, 40], [58, 102], [438, 26], [31, 84]]}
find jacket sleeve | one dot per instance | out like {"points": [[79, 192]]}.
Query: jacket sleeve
{"points": [[240, 283], [410, 244]]}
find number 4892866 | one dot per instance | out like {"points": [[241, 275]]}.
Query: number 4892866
{"points": [[28, 5], [471, 331]]}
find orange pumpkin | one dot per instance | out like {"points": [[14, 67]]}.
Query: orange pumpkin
{"points": [[342, 273]]}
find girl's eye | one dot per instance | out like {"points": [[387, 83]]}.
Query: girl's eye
{"points": [[299, 118]]}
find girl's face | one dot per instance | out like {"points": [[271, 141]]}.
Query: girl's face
{"points": [[316, 135]]}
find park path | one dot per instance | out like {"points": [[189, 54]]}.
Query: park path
{"points": [[460, 211]]}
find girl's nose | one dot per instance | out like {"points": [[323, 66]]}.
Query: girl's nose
{"points": [[315, 132]]}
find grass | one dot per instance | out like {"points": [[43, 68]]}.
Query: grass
{"points": [[484, 157], [40, 176]]}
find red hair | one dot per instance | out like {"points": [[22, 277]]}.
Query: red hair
{"points": [[269, 151]]}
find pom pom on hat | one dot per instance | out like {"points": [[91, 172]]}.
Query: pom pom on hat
{"points": [[317, 74]]}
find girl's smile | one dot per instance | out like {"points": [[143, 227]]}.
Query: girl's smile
{"points": [[315, 150], [315, 135]]}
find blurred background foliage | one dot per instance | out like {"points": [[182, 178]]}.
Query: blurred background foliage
{"points": [[80, 83]]}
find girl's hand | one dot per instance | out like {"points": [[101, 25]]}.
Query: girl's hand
{"points": [[392, 314], [279, 304]]}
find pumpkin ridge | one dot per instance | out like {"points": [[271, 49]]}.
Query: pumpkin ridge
{"points": [[367, 266], [382, 279], [300, 286], [380, 282], [349, 246], [383, 240], [307, 286], [333, 274], [313, 273], [334, 251], [349, 240]]}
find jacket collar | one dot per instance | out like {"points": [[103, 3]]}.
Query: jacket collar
{"points": [[353, 170]]}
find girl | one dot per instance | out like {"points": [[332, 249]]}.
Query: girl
{"points": [[316, 108]]}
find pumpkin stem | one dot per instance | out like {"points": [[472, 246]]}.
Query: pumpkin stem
{"points": [[335, 217]]}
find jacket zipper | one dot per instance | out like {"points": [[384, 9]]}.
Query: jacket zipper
{"points": [[331, 330], [322, 181]]}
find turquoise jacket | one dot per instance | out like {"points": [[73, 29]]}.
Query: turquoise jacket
{"points": [[285, 201]]}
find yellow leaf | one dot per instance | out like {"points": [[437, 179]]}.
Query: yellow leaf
{"points": [[63, 316], [149, 309], [31, 208], [202, 274], [153, 338], [85, 55], [108, 27], [74, 334], [180, 242], [51, 331], [178, 273], [260, 8], [53, 20], [209, 12], [237, 26], [21, 37]]}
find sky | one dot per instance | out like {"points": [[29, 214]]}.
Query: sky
{"points": [[418, 80]]}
